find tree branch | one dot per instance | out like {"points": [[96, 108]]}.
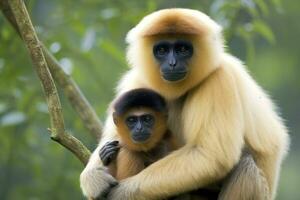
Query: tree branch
{"points": [[34, 47], [78, 101], [75, 96]]}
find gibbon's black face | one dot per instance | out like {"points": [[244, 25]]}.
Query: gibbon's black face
{"points": [[140, 126], [173, 58]]}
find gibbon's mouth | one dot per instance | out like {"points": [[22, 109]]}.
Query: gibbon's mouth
{"points": [[174, 76], [138, 138]]}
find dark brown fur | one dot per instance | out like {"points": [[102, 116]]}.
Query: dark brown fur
{"points": [[130, 162]]}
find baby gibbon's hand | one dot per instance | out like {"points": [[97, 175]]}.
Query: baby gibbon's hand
{"points": [[109, 152]]}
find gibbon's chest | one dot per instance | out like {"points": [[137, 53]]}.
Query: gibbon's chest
{"points": [[160, 151], [175, 122]]}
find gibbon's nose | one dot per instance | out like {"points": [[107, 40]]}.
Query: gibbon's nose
{"points": [[139, 126], [172, 61]]}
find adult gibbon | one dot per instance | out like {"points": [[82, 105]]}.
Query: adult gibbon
{"points": [[216, 110]]}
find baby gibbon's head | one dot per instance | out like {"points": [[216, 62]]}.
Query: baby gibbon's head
{"points": [[140, 116]]}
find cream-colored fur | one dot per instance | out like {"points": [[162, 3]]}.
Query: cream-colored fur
{"points": [[215, 111], [245, 182]]}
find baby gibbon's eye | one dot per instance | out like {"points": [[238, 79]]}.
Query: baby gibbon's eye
{"points": [[149, 119], [131, 120]]}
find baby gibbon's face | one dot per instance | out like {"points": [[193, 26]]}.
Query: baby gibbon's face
{"points": [[140, 125]]}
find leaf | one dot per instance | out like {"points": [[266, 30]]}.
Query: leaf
{"points": [[262, 6], [245, 34], [264, 30]]}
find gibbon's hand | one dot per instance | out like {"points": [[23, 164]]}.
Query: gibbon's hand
{"points": [[109, 152], [96, 182], [125, 190], [104, 194]]}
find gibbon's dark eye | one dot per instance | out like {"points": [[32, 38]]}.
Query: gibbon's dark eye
{"points": [[162, 49], [149, 119], [183, 49], [131, 120]]}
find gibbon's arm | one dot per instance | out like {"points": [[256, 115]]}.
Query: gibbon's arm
{"points": [[213, 129], [265, 132], [94, 179], [245, 181]]}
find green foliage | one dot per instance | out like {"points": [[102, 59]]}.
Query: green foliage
{"points": [[87, 37]]}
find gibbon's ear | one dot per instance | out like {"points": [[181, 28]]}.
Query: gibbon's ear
{"points": [[115, 118]]}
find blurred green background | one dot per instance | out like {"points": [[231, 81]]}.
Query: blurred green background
{"points": [[87, 37]]}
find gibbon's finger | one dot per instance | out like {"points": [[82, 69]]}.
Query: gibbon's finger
{"points": [[107, 148], [110, 143], [108, 158], [113, 156], [114, 142]]}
